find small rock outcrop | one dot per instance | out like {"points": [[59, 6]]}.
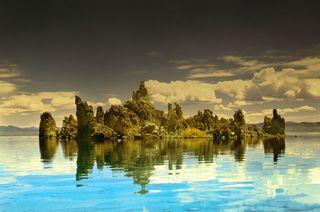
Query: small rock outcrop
{"points": [[69, 128], [274, 125], [48, 127]]}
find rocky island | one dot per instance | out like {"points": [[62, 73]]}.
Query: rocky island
{"points": [[139, 119]]}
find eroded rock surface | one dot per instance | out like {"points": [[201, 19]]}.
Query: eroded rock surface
{"points": [[274, 125], [48, 127], [138, 118], [69, 128]]}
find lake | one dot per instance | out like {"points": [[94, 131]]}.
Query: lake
{"points": [[160, 175]]}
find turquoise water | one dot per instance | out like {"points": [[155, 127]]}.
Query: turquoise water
{"points": [[165, 175]]}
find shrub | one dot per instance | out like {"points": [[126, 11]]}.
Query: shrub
{"points": [[193, 132]]}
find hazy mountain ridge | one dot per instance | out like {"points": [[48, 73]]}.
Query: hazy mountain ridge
{"points": [[13, 130], [290, 126]]}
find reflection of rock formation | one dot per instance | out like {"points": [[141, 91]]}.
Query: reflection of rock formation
{"points": [[47, 128], [48, 148], [276, 146], [85, 157], [138, 158], [69, 149]]}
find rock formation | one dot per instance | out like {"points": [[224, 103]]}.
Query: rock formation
{"points": [[88, 124], [100, 115], [239, 118], [204, 121], [47, 128], [274, 126], [174, 120], [138, 118], [85, 115], [69, 128]]}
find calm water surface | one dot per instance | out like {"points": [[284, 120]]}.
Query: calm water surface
{"points": [[165, 175]]}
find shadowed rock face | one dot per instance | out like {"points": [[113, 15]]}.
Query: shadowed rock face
{"points": [[141, 94], [88, 124], [204, 121], [47, 128], [274, 126], [69, 128], [100, 115], [239, 118], [85, 115]]}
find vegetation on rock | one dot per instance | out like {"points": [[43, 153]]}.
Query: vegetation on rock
{"points": [[274, 126], [69, 128], [138, 118], [48, 127]]}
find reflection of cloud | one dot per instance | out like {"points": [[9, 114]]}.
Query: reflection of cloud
{"points": [[26, 162], [189, 172], [314, 174]]}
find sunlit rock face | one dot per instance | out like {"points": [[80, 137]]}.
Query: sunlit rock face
{"points": [[47, 128], [69, 128], [122, 121], [274, 125], [85, 115]]}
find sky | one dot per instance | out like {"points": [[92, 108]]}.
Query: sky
{"points": [[223, 56]]}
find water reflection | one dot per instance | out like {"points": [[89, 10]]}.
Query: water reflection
{"points": [[137, 159], [275, 146], [48, 148]]}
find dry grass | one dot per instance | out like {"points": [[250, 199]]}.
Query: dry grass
{"points": [[193, 133]]}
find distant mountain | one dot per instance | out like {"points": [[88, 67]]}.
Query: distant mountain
{"points": [[12, 130]]}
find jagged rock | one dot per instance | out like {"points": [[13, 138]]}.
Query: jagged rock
{"points": [[178, 111], [175, 121], [85, 116], [274, 126], [141, 94], [143, 108], [239, 118], [204, 121], [102, 133], [69, 128], [47, 128], [100, 115], [149, 128], [122, 120]]}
